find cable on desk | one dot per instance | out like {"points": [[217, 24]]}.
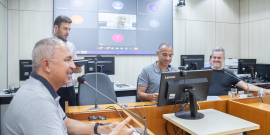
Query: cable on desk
{"points": [[175, 128], [198, 106], [138, 111], [112, 107], [261, 98]]}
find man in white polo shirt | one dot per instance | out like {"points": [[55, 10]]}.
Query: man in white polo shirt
{"points": [[62, 26]]}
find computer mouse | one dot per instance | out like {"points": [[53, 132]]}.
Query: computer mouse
{"points": [[124, 106]]}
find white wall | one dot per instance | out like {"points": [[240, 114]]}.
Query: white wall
{"points": [[198, 27], [3, 44], [255, 29]]}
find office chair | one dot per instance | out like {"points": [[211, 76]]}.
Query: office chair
{"points": [[87, 95], [137, 100]]}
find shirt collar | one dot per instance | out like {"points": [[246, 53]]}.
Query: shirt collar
{"points": [[59, 39], [157, 70], [45, 83]]}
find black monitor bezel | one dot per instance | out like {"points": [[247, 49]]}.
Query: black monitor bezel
{"points": [[194, 57], [246, 62], [100, 59], [192, 74]]}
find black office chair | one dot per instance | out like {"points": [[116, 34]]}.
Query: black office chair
{"points": [[137, 100], [86, 95]]}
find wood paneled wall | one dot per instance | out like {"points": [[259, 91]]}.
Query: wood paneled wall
{"points": [[198, 27]]}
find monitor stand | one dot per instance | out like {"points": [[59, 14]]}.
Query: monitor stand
{"points": [[193, 112]]}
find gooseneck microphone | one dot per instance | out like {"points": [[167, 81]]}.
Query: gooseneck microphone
{"points": [[248, 95], [96, 106], [82, 81]]}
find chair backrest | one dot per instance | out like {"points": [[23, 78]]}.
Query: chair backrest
{"points": [[87, 95], [137, 100]]}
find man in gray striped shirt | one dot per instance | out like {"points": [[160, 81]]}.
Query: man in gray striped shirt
{"points": [[149, 79]]}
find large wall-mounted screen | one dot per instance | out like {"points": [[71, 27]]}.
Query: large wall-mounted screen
{"points": [[117, 26]]}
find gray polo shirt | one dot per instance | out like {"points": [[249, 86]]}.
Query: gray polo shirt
{"points": [[72, 51], [35, 110], [150, 77]]}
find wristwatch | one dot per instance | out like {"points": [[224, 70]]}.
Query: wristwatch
{"points": [[95, 128]]}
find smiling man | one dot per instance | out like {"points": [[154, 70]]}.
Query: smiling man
{"points": [[62, 26], [35, 109], [149, 79], [221, 82]]}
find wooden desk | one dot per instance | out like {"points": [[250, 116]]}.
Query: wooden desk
{"points": [[154, 115], [214, 123]]}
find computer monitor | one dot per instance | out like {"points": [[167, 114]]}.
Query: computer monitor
{"points": [[263, 71], [247, 66], [25, 69], [192, 62], [104, 65], [177, 89]]}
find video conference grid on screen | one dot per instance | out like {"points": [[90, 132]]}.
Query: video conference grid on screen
{"points": [[117, 26]]}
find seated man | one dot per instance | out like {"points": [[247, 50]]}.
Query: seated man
{"points": [[208, 64], [221, 82], [149, 79], [35, 109]]}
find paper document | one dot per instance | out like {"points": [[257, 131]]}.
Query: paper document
{"points": [[210, 98]]}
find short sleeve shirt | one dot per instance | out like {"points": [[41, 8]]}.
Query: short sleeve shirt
{"points": [[221, 82], [150, 77], [35, 110]]}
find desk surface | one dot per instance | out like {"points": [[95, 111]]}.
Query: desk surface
{"points": [[2, 94], [214, 122], [260, 105]]}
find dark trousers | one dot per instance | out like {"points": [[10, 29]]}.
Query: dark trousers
{"points": [[67, 94]]}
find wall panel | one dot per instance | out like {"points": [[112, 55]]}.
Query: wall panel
{"points": [[259, 41], [227, 36], [259, 9], [244, 40], [13, 47], [203, 10], [243, 11], [227, 11], [200, 37], [32, 30], [179, 41], [4, 3], [3, 46], [13, 4]]}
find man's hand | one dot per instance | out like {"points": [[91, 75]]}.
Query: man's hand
{"points": [[119, 128], [77, 70], [155, 97]]}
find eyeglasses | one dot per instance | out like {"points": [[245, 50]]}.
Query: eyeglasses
{"points": [[97, 118]]}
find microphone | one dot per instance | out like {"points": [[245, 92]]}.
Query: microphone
{"points": [[96, 60], [96, 106], [82, 81], [248, 95]]}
